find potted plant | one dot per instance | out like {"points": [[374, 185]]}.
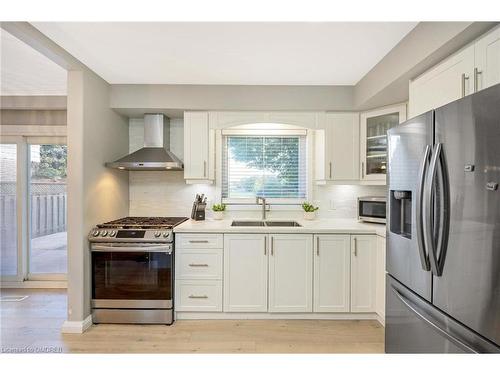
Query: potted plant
{"points": [[309, 211], [218, 210]]}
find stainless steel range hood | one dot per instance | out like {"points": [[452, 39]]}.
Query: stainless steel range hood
{"points": [[154, 156]]}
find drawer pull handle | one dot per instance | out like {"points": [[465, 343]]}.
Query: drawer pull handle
{"points": [[198, 241], [193, 296], [198, 265]]}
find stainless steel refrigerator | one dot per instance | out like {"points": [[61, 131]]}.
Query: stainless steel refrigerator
{"points": [[443, 229]]}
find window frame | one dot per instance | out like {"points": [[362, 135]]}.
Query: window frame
{"points": [[276, 130]]}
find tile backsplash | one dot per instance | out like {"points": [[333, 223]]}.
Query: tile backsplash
{"points": [[166, 193]]}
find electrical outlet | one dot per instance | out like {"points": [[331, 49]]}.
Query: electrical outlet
{"points": [[332, 205]]}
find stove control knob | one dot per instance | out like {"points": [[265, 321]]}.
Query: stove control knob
{"points": [[95, 233], [104, 233], [157, 234], [166, 234], [112, 233]]}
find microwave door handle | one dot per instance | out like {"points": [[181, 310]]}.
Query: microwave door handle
{"points": [[424, 259], [124, 249]]}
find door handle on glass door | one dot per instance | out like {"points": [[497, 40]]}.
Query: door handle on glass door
{"points": [[424, 259]]}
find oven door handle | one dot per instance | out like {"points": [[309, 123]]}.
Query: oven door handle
{"points": [[145, 249]]}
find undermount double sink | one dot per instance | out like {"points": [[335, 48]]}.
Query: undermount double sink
{"points": [[262, 223]]}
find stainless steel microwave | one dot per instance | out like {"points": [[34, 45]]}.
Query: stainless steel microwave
{"points": [[372, 209]]}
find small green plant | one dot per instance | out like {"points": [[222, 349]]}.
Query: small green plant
{"points": [[308, 207], [219, 207]]}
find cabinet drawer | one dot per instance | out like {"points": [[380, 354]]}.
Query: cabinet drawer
{"points": [[198, 264], [202, 295], [199, 241]]}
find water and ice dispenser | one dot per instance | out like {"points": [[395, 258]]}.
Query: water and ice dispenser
{"points": [[400, 212]]}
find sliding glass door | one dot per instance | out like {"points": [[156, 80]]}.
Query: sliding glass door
{"points": [[8, 212], [33, 212], [47, 203]]}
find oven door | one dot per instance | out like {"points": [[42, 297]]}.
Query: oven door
{"points": [[132, 275], [372, 210]]}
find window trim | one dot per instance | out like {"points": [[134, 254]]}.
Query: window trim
{"points": [[246, 204]]}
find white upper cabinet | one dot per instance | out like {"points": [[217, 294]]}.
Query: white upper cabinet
{"points": [[473, 68], [245, 272], [337, 148], [487, 53], [332, 273], [363, 273], [198, 141], [290, 273], [373, 140], [450, 80]]}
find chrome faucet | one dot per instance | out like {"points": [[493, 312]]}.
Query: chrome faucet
{"points": [[262, 200]]}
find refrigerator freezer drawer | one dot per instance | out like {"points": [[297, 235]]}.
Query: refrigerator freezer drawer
{"points": [[415, 326]]}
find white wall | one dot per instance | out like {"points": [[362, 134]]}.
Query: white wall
{"points": [[166, 193], [95, 134], [231, 97]]}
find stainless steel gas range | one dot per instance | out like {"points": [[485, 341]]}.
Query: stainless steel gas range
{"points": [[132, 270]]}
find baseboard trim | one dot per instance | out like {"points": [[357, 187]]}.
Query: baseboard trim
{"points": [[77, 326], [381, 320], [32, 284], [270, 316]]}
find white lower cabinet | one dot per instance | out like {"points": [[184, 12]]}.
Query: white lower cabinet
{"points": [[290, 273], [280, 273], [380, 284], [199, 264], [332, 262], [363, 280], [198, 295], [198, 273], [245, 272]]}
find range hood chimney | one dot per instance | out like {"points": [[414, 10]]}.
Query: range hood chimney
{"points": [[155, 155]]}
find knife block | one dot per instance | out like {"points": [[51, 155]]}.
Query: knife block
{"points": [[198, 211]]}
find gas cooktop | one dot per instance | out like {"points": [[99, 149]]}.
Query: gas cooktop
{"points": [[143, 222]]}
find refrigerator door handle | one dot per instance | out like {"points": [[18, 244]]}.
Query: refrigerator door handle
{"points": [[422, 315], [424, 258], [438, 163], [427, 216], [444, 224]]}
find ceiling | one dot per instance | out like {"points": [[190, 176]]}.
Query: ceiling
{"points": [[25, 71], [329, 53]]}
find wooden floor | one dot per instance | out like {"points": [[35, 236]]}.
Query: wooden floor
{"points": [[36, 323]]}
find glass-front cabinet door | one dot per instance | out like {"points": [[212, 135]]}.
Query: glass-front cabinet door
{"points": [[373, 140]]}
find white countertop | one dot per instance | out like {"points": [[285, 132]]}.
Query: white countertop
{"points": [[351, 226]]}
